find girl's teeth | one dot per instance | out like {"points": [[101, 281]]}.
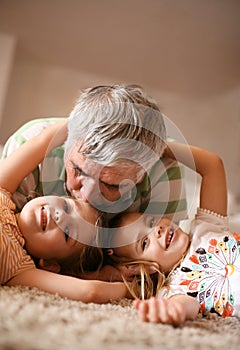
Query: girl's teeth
{"points": [[44, 219], [171, 232]]}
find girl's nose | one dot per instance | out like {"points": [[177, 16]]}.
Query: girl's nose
{"points": [[57, 215], [159, 230]]}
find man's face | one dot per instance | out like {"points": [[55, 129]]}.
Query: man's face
{"points": [[97, 184]]}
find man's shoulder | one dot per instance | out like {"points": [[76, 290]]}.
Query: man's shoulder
{"points": [[26, 132], [34, 127]]}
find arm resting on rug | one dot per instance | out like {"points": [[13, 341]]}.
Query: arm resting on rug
{"points": [[70, 287]]}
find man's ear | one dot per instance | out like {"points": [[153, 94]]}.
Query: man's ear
{"points": [[110, 251], [49, 265]]}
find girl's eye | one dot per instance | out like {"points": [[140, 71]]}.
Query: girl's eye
{"points": [[66, 233], [152, 222], [144, 243], [65, 206]]}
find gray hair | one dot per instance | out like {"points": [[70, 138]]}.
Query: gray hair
{"points": [[115, 123]]}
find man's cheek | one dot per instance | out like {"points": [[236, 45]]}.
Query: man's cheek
{"points": [[72, 181]]}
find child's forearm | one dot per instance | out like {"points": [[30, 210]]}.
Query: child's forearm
{"points": [[195, 158], [209, 165], [189, 305], [73, 288], [22, 161]]}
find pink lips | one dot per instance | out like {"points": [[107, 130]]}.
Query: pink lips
{"points": [[43, 218]]}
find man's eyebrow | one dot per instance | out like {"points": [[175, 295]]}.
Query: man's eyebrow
{"points": [[75, 165], [103, 182], [121, 185], [109, 185]]}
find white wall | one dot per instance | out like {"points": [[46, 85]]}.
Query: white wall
{"points": [[39, 89], [7, 48]]}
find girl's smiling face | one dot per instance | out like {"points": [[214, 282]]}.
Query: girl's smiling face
{"points": [[158, 240], [57, 227]]}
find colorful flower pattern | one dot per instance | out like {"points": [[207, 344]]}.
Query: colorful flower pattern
{"points": [[209, 273]]}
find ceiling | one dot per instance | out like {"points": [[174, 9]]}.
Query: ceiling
{"points": [[188, 46]]}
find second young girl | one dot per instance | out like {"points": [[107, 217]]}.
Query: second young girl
{"points": [[201, 270]]}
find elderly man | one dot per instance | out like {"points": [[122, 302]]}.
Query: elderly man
{"points": [[113, 157]]}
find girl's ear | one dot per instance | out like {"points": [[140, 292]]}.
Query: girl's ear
{"points": [[49, 265], [110, 251]]}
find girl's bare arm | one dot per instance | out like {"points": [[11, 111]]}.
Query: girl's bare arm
{"points": [[213, 194], [23, 160], [70, 287]]}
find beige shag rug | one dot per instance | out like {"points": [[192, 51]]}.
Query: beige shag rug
{"points": [[32, 319]]}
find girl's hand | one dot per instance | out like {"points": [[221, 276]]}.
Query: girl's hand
{"points": [[168, 311]]}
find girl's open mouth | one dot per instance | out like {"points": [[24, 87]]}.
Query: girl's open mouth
{"points": [[169, 236], [43, 218]]}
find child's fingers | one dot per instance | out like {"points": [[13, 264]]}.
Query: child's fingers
{"points": [[166, 312], [171, 312], [153, 310], [143, 309], [163, 312], [160, 310], [136, 303]]}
